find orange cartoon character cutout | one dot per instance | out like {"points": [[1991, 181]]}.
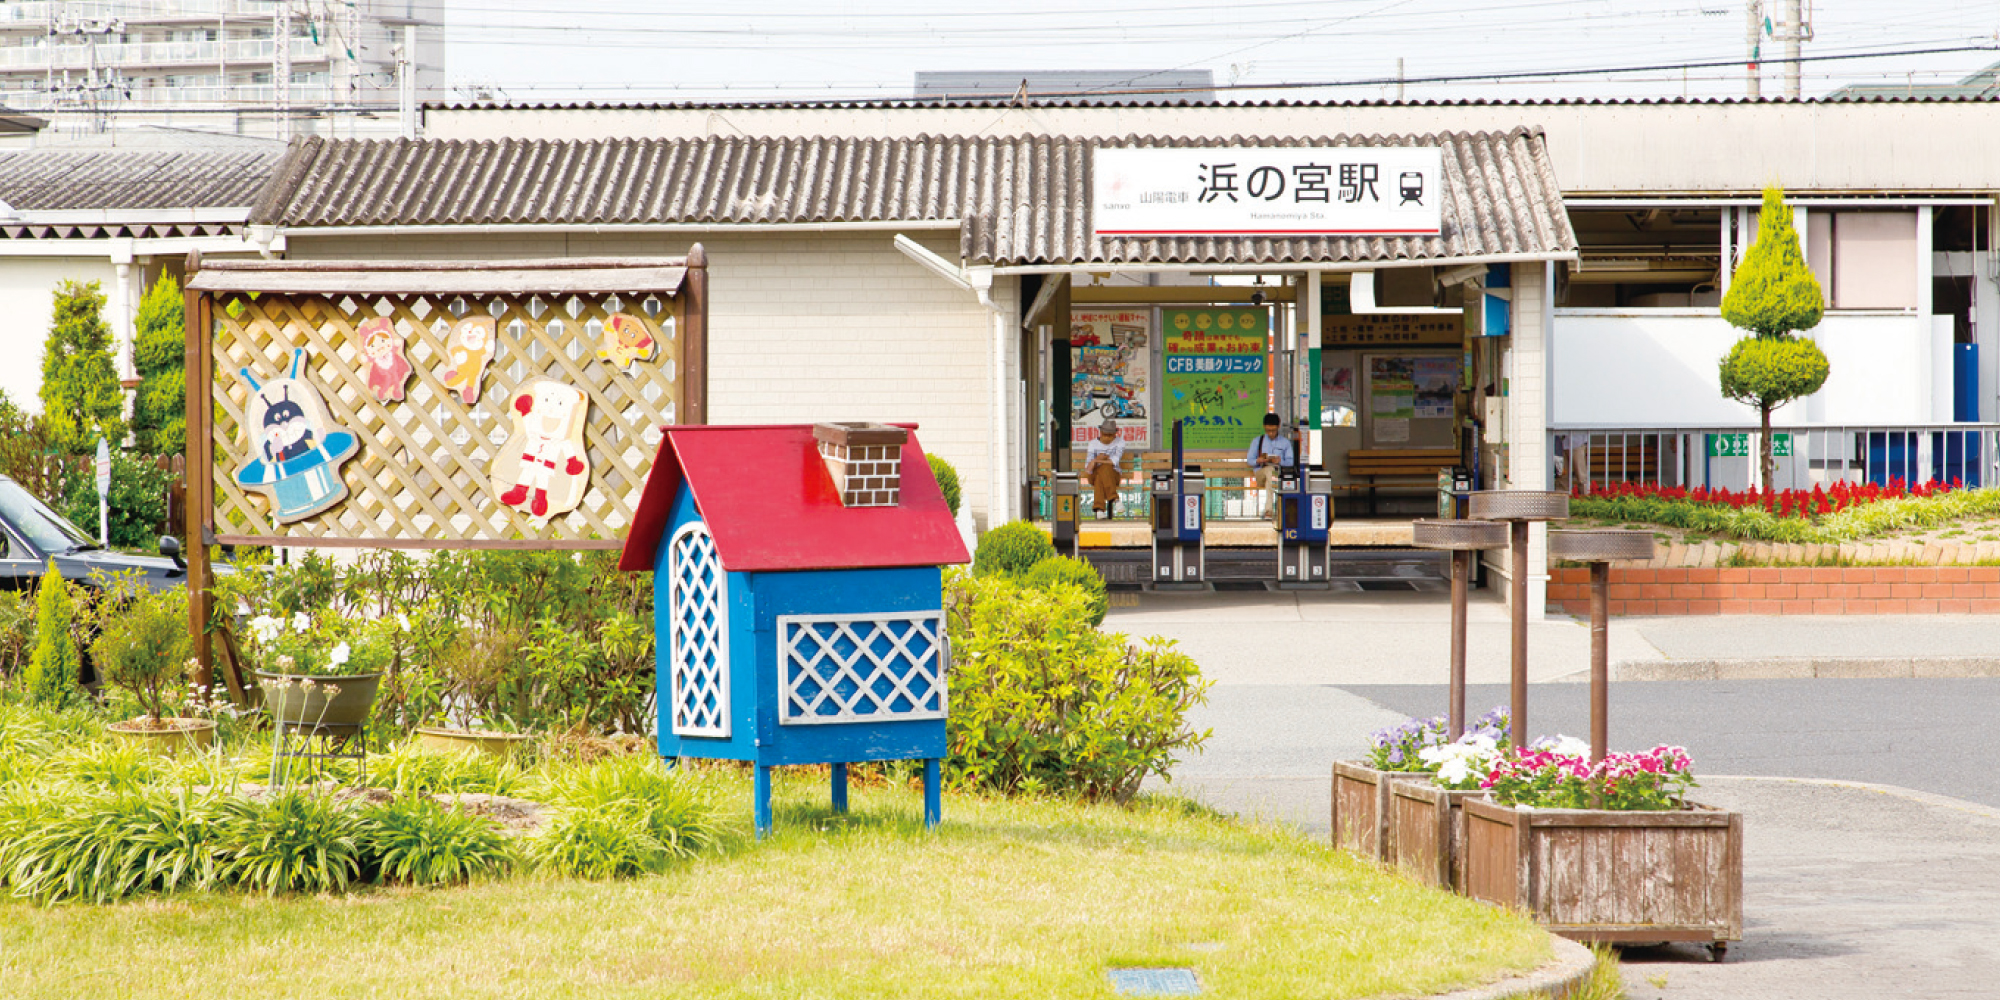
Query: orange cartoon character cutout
{"points": [[544, 468], [469, 350], [385, 366], [627, 341]]}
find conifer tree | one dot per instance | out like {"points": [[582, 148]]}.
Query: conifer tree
{"points": [[54, 672], [159, 353], [1773, 295], [81, 398]]}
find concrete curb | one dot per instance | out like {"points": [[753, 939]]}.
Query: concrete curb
{"points": [[1797, 668], [1556, 979], [1895, 791]]}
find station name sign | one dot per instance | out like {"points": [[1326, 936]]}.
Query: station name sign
{"points": [[1267, 191]]}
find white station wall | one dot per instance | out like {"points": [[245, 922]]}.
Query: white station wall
{"points": [[1647, 369]]}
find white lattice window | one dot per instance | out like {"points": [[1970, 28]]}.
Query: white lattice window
{"points": [[887, 667], [698, 643]]}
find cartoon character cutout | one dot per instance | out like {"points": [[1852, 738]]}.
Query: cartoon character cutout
{"points": [[469, 350], [627, 341], [295, 450], [382, 347], [544, 467]]}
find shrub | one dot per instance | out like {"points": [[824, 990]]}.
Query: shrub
{"points": [[603, 843], [416, 841], [159, 339], [1075, 572], [670, 806], [295, 841], [101, 846], [947, 480], [53, 672], [1011, 549], [17, 633], [144, 648], [1772, 294], [1043, 702], [136, 507], [114, 765], [412, 770]]}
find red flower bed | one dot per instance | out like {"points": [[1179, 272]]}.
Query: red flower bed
{"points": [[1782, 503]]}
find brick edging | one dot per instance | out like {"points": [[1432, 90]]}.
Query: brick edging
{"points": [[1791, 590]]}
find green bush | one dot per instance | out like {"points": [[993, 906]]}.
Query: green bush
{"points": [[296, 841], [102, 846], [54, 673], [135, 509], [115, 765], [604, 843], [1075, 572], [947, 480], [1011, 549], [144, 647], [1773, 292], [1043, 702], [622, 817], [416, 841], [411, 770], [159, 347], [17, 634], [81, 398]]}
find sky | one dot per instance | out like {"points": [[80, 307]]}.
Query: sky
{"points": [[624, 51]]}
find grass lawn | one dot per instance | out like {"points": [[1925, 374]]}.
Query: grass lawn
{"points": [[1007, 899]]}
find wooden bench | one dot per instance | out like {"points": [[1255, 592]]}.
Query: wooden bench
{"points": [[1400, 466], [1224, 470]]}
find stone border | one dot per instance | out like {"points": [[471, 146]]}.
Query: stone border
{"points": [[1557, 979], [1791, 590]]}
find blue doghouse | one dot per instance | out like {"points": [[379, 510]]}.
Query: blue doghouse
{"points": [[797, 599]]}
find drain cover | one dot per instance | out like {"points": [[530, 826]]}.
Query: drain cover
{"points": [[1386, 585], [1155, 982]]}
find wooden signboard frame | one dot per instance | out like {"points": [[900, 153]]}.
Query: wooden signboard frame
{"points": [[421, 477]]}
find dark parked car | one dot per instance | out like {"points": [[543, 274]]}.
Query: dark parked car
{"points": [[32, 534]]}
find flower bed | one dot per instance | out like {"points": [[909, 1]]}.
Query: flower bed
{"points": [[1844, 512], [1408, 753]]}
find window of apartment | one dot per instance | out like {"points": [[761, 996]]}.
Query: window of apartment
{"points": [[1864, 259], [1640, 258]]}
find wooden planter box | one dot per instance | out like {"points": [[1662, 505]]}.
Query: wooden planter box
{"points": [[1361, 808], [1426, 832], [1615, 877]]}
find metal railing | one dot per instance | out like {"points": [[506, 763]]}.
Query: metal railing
{"points": [[1726, 457]]}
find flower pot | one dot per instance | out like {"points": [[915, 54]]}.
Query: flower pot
{"points": [[1611, 876], [502, 745], [1426, 832], [292, 703], [1361, 807], [168, 736]]}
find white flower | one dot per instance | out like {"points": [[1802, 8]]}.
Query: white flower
{"points": [[264, 628], [338, 657], [301, 622], [1565, 746]]}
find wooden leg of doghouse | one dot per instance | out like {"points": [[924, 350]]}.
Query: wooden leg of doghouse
{"points": [[933, 804], [763, 801], [839, 789]]}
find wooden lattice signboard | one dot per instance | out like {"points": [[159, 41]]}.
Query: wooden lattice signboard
{"points": [[435, 404]]}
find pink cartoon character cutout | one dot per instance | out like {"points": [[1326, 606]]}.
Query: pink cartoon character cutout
{"points": [[382, 350], [544, 466]]}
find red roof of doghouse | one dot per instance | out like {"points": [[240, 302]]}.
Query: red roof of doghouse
{"points": [[771, 504]]}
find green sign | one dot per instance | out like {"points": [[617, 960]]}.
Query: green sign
{"points": [[1217, 376], [1738, 445]]}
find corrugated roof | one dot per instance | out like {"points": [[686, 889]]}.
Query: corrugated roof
{"points": [[70, 180], [1843, 96], [1018, 200]]}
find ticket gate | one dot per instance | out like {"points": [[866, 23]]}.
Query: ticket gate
{"points": [[1178, 550], [1305, 515]]}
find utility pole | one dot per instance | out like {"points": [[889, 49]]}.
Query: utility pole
{"points": [[1399, 79], [94, 90], [281, 72], [406, 81], [1753, 73], [1794, 30]]}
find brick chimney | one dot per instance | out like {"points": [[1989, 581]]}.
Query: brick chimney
{"points": [[865, 460]]}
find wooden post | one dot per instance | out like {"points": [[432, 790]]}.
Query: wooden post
{"points": [[1600, 669], [1517, 587], [839, 789], [694, 339], [762, 806], [200, 471], [1460, 570], [933, 802]]}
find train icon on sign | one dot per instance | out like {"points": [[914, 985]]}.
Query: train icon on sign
{"points": [[1411, 185]]}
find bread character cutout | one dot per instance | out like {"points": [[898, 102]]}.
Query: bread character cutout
{"points": [[543, 468], [469, 350], [627, 341], [382, 350], [296, 450]]}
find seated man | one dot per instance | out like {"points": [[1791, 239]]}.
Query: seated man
{"points": [[1270, 452], [1100, 468]]}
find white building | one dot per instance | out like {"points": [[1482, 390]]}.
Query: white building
{"points": [[217, 65]]}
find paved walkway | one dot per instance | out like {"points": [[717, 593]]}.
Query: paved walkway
{"points": [[1851, 891]]}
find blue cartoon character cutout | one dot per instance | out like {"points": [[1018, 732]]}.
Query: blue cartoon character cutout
{"points": [[295, 457]]}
